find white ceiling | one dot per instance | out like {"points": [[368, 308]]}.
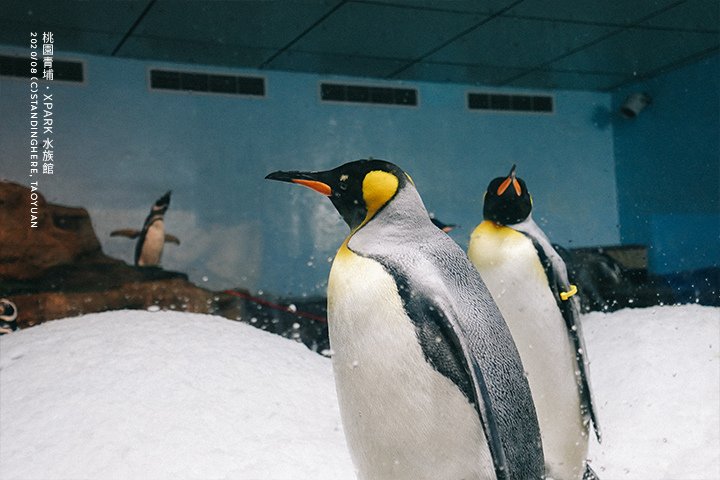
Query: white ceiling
{"points": [[567, 44]]}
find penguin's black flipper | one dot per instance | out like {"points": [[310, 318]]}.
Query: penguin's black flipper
{"points": [[569, 306], [443, 348], [172, 239], [125, 233], [465, 351], [571, 313]]}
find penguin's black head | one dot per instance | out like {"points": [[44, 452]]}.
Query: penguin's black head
{"points": [[357, 189], [8, 316], [507, 200], [162, 203]]}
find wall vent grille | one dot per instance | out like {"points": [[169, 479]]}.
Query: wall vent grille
{"points": [[200, 82], [66, 71], [504, 102], [368, 94]]}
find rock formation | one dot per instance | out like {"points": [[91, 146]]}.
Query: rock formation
{"points": [[57, 269]]}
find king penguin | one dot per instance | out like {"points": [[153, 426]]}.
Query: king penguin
{"points": [[152, 237], [429, 382], [8, 316], [529, 282]]}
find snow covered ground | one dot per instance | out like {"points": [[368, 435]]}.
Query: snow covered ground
{"points": [[656, 377], [168, 395]]}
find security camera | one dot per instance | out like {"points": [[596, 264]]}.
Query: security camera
{"points": [[634, 104]]}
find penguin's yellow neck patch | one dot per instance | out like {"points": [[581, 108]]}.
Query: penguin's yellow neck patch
{"points": [[378, 188], [489, 226], [344, 251], [493, 245], [493, 237]]}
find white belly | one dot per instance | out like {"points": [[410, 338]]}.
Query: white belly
{"points": [[402, 419], [153, 246], [515, 277]]}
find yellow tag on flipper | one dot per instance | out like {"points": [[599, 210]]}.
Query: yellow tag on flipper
{"points": [[566, 295]]}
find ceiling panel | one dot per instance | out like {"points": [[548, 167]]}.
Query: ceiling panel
{"points": [[267, 24], [698, 15], [518, 43], [386, 31], [612, 12], [336, 64], [458, 73], [592, 45], [566, 80], [484, 7], [92, 27], [106, 16], [203, 53], [633, 53]]}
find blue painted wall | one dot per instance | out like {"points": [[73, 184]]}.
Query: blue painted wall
{"points": [[119, 147], [668, 168]]}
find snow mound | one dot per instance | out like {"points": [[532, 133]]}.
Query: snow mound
{"points": [[656, 377], [169, 395], [165, 395]]}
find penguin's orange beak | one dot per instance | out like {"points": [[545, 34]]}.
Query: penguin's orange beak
{"points": [[315, 185], [301, 178], [508, 181]]}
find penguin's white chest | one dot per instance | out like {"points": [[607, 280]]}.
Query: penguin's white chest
{"points": [[153, 246], [402, 418], [510, 267]]}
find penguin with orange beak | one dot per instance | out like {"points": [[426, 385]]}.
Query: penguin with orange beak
{"points": [[529, 282], [429, 382]]}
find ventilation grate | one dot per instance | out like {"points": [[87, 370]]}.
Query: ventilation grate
{"points": [[185, 81], [13, 66], [503, 102], [353, 93]]}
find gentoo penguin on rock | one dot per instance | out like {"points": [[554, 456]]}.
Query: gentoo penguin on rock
{"points": [[152, 238], [8, 316], [429, 381], [529, 282]]}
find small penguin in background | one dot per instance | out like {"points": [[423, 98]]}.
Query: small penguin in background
{"points": [[528, 280], [443, 226], [429, 382], [8, 316], [152, 237]]}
